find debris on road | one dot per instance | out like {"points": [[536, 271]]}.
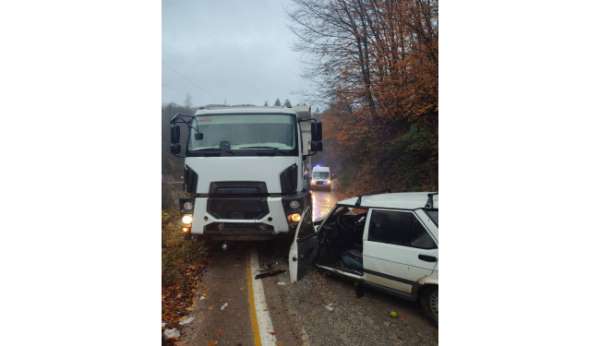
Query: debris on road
{"points": [[172, 333], [393, 314], [266, 267], [281, 283], [186, 320], [329, 307], [202, 297], [224, 306], [267, 274]]}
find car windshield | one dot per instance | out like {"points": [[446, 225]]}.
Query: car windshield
{"points": [[320, 175], [243, 133], [433, 214]]}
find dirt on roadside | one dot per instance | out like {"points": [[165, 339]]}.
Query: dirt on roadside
{"points": [[183, 262]]}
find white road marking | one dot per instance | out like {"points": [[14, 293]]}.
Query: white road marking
{"points": [[265, 326]]}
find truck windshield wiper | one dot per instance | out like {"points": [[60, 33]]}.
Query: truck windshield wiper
{"points": [[263, 150], [258, 150], [260, 147], [209, 151]]}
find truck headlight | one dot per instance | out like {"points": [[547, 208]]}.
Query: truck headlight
{"points": [[187, 219], [294, 204], [187, 205], [294, 217]]}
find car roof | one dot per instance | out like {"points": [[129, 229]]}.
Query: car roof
{"points": [[399, 200], [245, 110]]}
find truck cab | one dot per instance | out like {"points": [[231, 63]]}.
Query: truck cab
{"points": [[243, 171]]}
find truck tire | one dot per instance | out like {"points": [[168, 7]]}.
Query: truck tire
{"points": [[429, 302]]}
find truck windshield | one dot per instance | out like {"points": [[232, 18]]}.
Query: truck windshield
{"points": [[321, 175], [243, 134]]}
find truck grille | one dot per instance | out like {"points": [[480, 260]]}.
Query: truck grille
{"points": [[238, 200], [238, 207]]}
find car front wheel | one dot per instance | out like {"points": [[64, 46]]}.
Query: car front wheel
{"points": [[429, 301]]}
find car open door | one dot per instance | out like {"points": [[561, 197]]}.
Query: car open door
{"points": [[304, 247]]}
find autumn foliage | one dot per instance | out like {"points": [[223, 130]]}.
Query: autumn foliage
{"points": [[182, 264], [376, 64]]}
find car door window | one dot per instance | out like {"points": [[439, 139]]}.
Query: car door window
{"points": [[399, 228]]}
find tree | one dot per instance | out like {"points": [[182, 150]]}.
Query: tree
{"points": [[266, 104], [287, 103], [277, 103], [376, 63]]}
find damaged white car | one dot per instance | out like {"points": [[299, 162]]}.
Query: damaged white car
{"points": [[388, 241]]}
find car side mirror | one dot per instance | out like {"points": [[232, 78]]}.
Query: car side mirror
{"points": [[316, 131], [316, 146], [175, 148], [175, 134]]}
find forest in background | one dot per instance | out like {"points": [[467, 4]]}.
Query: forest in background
{"points": [[375, 62], [375, 65]]}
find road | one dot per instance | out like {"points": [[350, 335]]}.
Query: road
{"points": [[322, 203], [233, 308]]}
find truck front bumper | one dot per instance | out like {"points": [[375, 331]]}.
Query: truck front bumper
{"points": [[266, 226]]}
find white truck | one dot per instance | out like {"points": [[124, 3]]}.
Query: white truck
{"points": [[244, 170]]}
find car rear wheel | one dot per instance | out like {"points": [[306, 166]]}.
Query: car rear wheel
{"points": [[429, 302]]}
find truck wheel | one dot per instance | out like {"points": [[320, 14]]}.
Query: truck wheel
{"points": [[429, 302]]}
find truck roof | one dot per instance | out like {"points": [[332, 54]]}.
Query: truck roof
{"points": [[244, 110]]}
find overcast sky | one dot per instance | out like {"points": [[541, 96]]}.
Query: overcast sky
{"points": [[234, 50]]}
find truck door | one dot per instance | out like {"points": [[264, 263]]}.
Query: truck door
{"points": [[398, 250], [304, 247]]}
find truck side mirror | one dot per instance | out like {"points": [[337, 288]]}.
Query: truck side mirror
{"points": [[175, 134], [316, 146], [316, 131]]}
